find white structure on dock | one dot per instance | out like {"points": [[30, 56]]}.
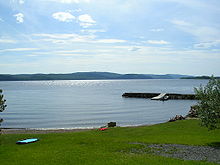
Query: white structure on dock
{"points": [[161, 96]]}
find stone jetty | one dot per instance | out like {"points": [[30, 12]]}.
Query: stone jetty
{"points": [[172, 96]]}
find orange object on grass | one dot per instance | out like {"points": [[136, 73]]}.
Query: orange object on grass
{"points": [[103, 129]]}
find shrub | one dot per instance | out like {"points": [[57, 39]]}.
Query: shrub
{"points": [[2, 104], [209, 103]]}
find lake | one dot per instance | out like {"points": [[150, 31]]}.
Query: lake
{"points": [[91, 103]]}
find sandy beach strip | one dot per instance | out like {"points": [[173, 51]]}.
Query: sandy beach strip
{"points": [[61, 130], [41, 131]]}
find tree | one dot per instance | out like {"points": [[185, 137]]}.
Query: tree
{"points": [[2, 104], [209, 103]]}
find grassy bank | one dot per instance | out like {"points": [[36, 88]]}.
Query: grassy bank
{"points": [[107, 147]]}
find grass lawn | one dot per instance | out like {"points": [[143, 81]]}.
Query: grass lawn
{"points": [[105, 147]]}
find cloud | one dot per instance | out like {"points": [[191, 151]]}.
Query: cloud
{"points": [[86, 18], [158, 42], [134, 49], [31, 55], [205, 45], [86, 21], [157, 30], [85, 24], [73, 51], [18, 49], [74, 10], [202, 33], [19, 17], [57, 36], [180, 22], [198, 5], [21, 1], [71, 1], [77, 10], [93, 31], [109, 41], [1, 20], [70, 38], [8, 41], [63, 16], [65, 38]]}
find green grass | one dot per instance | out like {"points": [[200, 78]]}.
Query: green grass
{"points": [[108, 147]]}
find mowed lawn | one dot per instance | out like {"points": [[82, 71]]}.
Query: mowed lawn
{"points": [[111, 147]]}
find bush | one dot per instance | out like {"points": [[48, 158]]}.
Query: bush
{"points": [[2, 104], [209, 103]]}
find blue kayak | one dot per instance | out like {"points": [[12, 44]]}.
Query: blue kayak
{"points": [[26, 141]]}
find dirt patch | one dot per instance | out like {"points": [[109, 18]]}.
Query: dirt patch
{"points": [[185, 152]]}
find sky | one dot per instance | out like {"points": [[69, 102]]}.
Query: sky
{"points": [[122, 36]]}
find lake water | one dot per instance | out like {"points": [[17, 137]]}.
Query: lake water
{"points": [[90, 103]]}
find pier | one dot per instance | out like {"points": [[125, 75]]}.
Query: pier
{"points": [[171, 96]]}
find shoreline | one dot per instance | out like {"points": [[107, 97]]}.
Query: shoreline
{"points": [[56, 130], [66, 130], [41, 131]]}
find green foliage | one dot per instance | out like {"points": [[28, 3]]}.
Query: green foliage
{"points": [[2, 102], [209, 103]]}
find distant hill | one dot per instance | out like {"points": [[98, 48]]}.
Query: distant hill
{"points": [[85, 76], [198, 77]]}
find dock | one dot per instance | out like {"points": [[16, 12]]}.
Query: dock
{"points": [[171, 96]]}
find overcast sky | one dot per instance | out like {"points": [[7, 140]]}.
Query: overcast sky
{"points": [[123, 36]]}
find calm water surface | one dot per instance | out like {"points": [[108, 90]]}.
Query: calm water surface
{"points": [[90, 103]]}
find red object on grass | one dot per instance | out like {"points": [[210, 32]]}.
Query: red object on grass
{"points": [[103, 129]]}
